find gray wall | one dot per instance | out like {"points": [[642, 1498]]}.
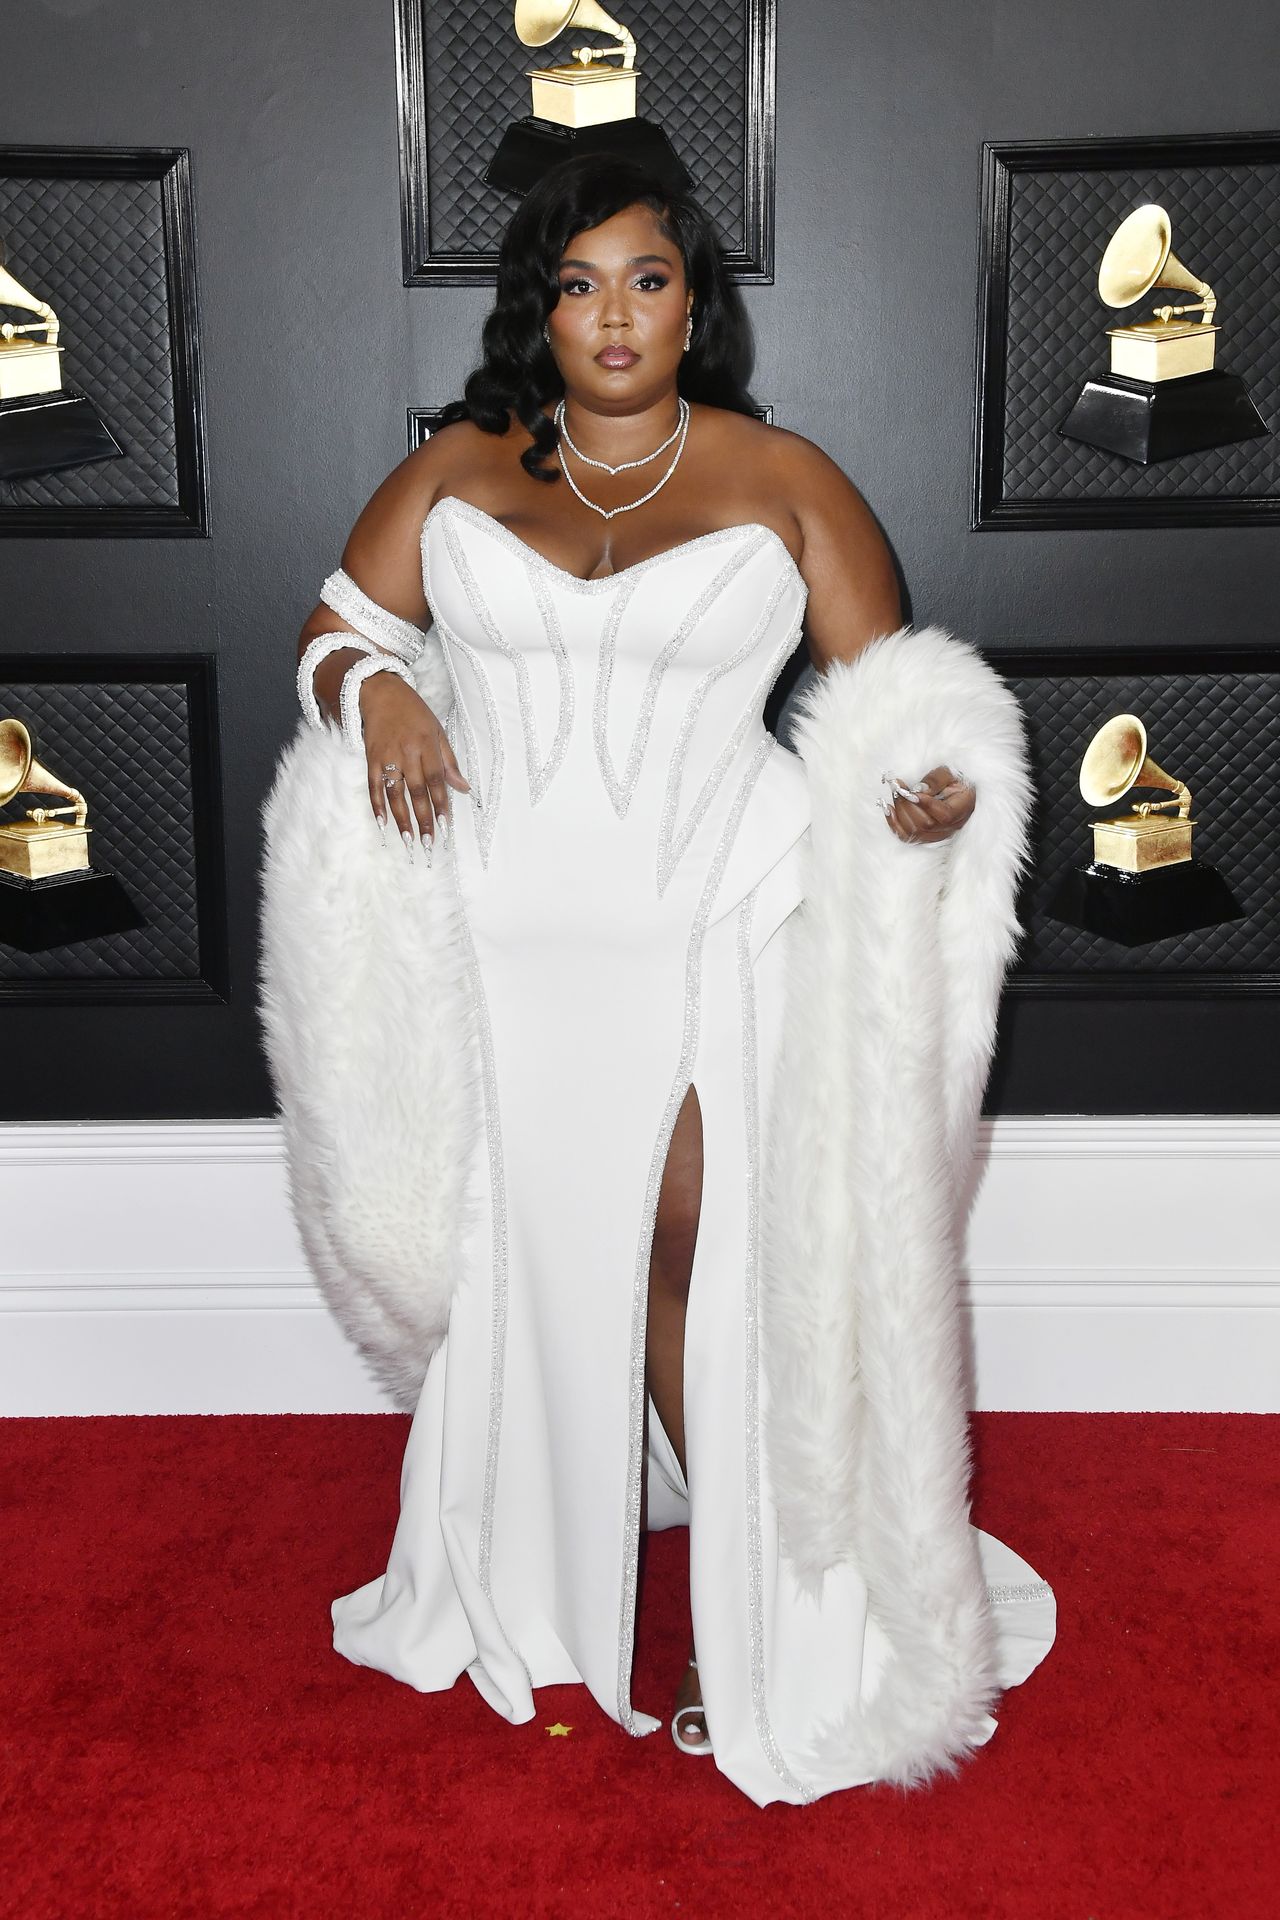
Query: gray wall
{"points": [[313, 350]]}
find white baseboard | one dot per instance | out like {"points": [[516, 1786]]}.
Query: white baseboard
{"points": [[1116, 1265]]}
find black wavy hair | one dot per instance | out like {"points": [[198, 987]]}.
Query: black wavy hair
{"points": [[518, 373]]}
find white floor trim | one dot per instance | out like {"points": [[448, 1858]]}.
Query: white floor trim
{"points": [[1127, 1264]]}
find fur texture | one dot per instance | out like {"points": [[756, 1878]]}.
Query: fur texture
{"points": [[889, 1026], [369, 1034]]}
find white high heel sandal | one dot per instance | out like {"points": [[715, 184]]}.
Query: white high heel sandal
{"points": [[690, 1746]]}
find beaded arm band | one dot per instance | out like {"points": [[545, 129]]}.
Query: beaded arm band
{"points": [[352, 725], [348, 600], [387, 641], [316, 651], [375, 661]]}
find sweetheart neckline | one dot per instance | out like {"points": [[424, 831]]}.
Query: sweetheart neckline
{"points": [[600, 580]]}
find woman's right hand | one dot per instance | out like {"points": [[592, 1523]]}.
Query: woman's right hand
{"points": [[401, 730]]}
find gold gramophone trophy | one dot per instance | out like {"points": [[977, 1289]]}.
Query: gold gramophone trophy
{"points": [[45, 425], [1143, 882], [1162, 396], [584, 105], [49, 892]]}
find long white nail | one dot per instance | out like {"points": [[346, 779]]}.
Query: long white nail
{"points": [[442, 821], [407, 837]]}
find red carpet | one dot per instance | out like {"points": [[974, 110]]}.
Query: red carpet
{"points": [[179, 1738]]}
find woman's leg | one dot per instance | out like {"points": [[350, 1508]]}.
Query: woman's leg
{"points": [[675, 1236]]}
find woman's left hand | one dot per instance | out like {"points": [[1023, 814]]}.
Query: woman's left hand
{"points": [[932, 809]]}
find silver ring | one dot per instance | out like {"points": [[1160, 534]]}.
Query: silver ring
{"points": [[390, 766]]}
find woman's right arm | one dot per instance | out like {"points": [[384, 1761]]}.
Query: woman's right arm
{"points": [[383, 557]]}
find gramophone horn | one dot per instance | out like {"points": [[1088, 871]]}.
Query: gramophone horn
{"points": [[1116, 759], [21, 772], [15, 758], [13, 294], [538, 21], [1139, 256]]}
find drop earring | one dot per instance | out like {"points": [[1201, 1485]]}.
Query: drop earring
{"points": [[688, 333], [546, 334]]}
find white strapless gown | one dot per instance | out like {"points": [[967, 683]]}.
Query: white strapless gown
{"points": [[626, 885]]}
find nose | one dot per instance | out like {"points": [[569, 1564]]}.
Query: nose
{"points": [[615, 308]]}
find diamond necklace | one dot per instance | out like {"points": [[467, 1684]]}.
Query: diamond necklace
{"points": [[607, 513], [682, 409]]}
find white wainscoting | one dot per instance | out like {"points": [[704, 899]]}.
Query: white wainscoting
{"points": [[1115, 1265]]}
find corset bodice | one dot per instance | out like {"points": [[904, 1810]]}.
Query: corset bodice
{"points": [[631, 701]]}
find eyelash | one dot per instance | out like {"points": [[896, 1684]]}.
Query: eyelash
{"points": [[659, 280]]}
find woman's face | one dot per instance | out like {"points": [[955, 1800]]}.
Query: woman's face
{"points": [[618, 329]]}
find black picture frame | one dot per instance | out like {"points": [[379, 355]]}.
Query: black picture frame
{"points": [[995, 505], [421, 423], [187, 517], [429, 265], [1062, 666], [196, 673]]}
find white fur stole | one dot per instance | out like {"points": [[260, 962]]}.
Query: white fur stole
{"points": [[889, 1027], [369, 1033]]}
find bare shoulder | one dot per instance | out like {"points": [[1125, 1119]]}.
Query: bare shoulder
{"points": [[403, 500], [383, 551], [819, 492], [799, 480], [844, 557], [750, 444]]}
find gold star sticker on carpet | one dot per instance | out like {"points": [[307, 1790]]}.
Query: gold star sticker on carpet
{"points": [[559, 1728]]}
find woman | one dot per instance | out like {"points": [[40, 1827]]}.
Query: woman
{"points": [[616, 557]]}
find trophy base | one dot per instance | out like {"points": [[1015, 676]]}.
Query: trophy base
{"points": [[1133, 908], [531, 147], [1148, 420], [38, 914], [578, 96], [47, 432]]}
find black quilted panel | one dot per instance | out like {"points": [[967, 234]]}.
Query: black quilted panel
{"points": [[1221, 734], [1226, 228], [1219, 730], [95, 250], [126, 746], [693, 67]]}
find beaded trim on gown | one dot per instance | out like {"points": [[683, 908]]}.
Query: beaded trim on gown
{"points": [[627, 877]]}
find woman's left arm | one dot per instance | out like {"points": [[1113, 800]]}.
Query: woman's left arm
{"points": [[853, 599]]}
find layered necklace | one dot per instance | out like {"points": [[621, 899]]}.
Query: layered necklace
{"points": [[679, 434]]}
